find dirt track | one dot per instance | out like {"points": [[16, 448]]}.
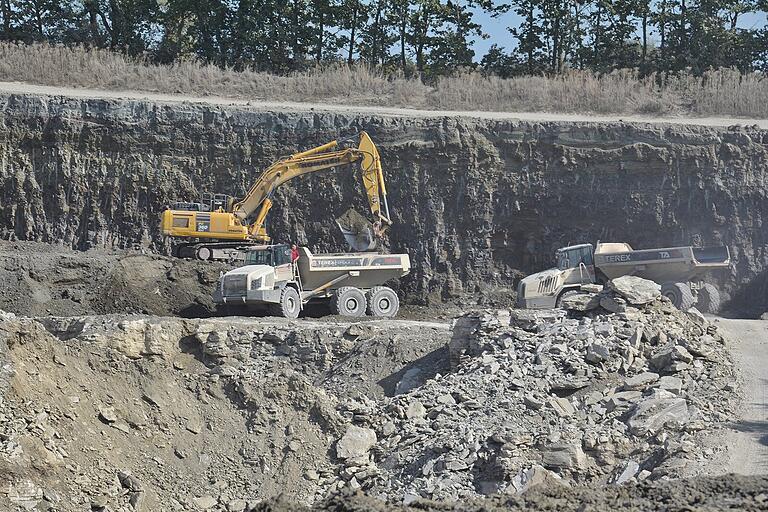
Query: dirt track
{"points": [[748, 442], [18, 87]]}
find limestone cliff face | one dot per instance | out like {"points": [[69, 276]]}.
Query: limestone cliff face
{"points": [[475, 202]]}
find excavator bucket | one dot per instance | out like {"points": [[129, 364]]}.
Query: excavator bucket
{"points": [[359, 233]]}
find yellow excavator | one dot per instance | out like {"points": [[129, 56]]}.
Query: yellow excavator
{"points": [[218, 227]]}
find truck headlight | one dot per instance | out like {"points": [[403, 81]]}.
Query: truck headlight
{"points": [[256, 284]]}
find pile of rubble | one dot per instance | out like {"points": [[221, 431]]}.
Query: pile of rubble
{"points": [[616, 387], [128, 413]]}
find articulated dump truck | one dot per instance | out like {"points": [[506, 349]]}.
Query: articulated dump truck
{"points": [[678, 270], [352, 283]]}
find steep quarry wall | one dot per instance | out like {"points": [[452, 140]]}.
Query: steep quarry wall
{"points": [[475, 202]]}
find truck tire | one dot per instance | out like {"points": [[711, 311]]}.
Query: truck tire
{"points": [[680, 294], [349, 301], [289, 305], [382, 302], [709, 299]]}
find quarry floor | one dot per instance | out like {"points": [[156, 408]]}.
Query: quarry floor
{"points": [[89, 296], [260, 104]]}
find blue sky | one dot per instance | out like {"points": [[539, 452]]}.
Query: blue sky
{"points": [[496, 28]]}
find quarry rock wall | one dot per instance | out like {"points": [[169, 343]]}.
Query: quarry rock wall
{"points": [[475, 202]]}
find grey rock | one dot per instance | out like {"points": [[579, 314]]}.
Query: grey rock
{"points": [[355, 442], [532, 402], [536, 476], [206, 502], [562, 407], [130, 482], [630, 470], [411, 379], [581, 302], [671, 383], [531, 319], [108, 414], [641, 381], [564, 456], [650, 415], [236, 506], [613, 303], [597, 353], [570, 383], [635, 290], [664, 359], [623, 400], [415, 410], [701, 347]]}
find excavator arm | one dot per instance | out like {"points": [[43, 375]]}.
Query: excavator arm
{"points": [[252, 210]]}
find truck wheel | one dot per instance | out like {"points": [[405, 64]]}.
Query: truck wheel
{"points": [[289, 305], [349, 301], [382, 302], [709, 299], [680, 294]]}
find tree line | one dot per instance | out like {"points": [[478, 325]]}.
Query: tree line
{"points": [[425, 38]]}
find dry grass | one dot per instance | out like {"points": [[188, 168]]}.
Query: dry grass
{"points": [[722, 92]]}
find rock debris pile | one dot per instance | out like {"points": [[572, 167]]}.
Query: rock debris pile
{"points": [[133, 413], [613, 389]]}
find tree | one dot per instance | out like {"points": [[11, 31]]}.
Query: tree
{"points": [[530, 35]]}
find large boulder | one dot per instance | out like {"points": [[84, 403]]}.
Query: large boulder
{"points": [[536, 476], [581, 302], [635, 290], [564, 456], [355, 443]]}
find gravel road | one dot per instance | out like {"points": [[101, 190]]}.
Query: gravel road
{"points": [[261, 105], [748, 442]]}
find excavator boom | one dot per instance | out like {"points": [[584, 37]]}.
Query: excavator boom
{"points": [[253, 208], [247, 217]]}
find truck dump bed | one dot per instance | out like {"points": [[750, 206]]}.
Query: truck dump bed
{"points": [[660, 265], [367, 269]]}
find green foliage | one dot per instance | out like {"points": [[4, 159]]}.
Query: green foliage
{"points": [[423, 38]]}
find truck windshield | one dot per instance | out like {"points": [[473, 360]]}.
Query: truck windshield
{"points": [[263, 257], [282, 255], [572, 258]]}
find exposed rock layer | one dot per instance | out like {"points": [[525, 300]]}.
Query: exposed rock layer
{"points": [[474, 201]]}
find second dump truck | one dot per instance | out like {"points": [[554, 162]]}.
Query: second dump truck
{"points": [[678, 270], [352, 283]]}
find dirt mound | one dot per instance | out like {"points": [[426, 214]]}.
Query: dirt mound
{"points": [[159, 413], [42, 279]]}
